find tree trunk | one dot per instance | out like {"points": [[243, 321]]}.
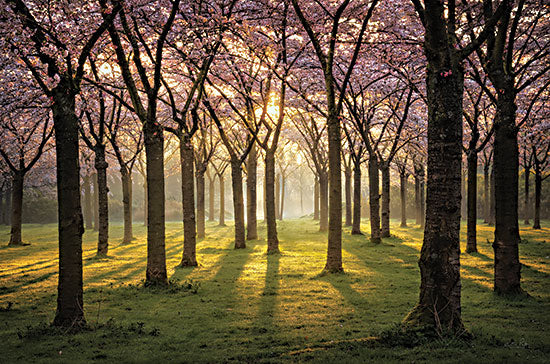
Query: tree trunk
{"points": [[3, 209], [439, 304], [189, 257], [538, 193], [463, 199], [272, 239], [201, 208], [323, 201], [417, 203], [222, 200], [422, 212], [374, 200], [471, 243], [88, 214], [154, 158], [282, 209], [70, 304], [356, 224], [527, 203], [505, 162], [16, 207], [238, 204], [486, 207], [334, 248], [96, 202], [385, 168], [316, 199], [103, 202], [251, 196], [211, 193], [126, 178], [347, 189], [403, 196]]}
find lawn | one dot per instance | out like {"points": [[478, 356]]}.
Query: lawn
{"points": [[246, 306]]}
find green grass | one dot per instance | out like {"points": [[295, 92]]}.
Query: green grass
{"points": [[251, 307]]}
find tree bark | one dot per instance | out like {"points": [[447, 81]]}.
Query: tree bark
{"points": [[356, 224], [238, 204], [145, 203], [505, 163], [492, 197], [323, 201], [417, 204], [272, 239], [251, 195], [374, 200], [385, 169], [538, 195], [222, 200], [463, 199], [471, 241], [95, 202], [103, 202], [403, 195], [156, 251], [334, 246], [69, 312], [347, 189], [16, 207], [439, 304], [3, 209], [316, 199], [126, 178], [189, 258], [88, 214]]}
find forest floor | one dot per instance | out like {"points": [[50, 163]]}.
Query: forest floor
{"points": [[246, 306]]}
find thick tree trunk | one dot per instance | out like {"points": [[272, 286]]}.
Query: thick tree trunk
{"points": [[156, 250], [238, 204], [527, 202], [505, 163], [356, 223], [103, 202], [222, 200], [374, 200], [95, 202], [347, 189], [486, 208], [201, 208], [189, 257], [538, 195], [251, 195], [126, 178], [70, 226], [439, 304], [316, 199], [272, 239], [211, 193], [88, 214], [403, 196], [16, 207], [471, 242], [323, 201], [385, 232], [334, 248]]}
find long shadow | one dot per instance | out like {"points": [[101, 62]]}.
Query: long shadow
{"points": [[265, 320]]}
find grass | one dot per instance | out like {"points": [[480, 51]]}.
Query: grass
{"points": [[246, 306]]}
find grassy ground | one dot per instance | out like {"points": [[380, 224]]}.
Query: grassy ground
{"points": [[245, 306]]}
